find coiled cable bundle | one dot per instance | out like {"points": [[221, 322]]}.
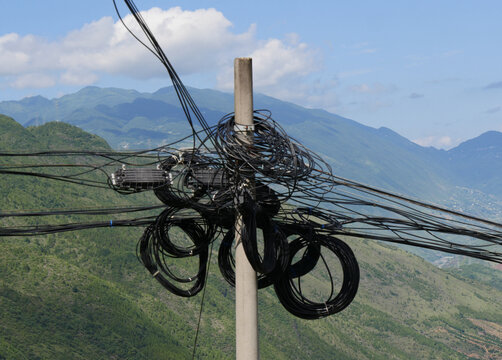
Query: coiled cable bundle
{"points": [[291, 295], [157, 250], [272, 157]]}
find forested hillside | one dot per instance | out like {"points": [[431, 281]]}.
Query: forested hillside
{"points": [[84, 295]]}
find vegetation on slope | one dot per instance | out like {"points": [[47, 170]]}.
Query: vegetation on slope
{"points": [[85, 295]]}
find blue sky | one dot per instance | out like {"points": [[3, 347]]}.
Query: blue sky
{"points": [[430, 70]]}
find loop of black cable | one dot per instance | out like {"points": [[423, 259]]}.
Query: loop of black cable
{"points": [[200, 231], [226, 261], [253, 219], [291, 296], [156, 251]]}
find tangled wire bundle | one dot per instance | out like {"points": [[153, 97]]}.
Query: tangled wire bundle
{"points": [[206, 193]]}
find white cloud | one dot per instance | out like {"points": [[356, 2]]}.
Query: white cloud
{"points": [[439, 142], [33, 80], [76, 78], [200, 41], [14, 58], [274, 62]]}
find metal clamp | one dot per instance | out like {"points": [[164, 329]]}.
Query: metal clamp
{"points": [[243, 128]]}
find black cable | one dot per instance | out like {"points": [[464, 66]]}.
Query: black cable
{"points": [[202, 304]]}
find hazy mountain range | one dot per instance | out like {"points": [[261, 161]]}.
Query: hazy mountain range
{"points": [[379, 157]]}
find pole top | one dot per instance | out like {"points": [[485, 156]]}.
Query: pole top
{"points": [[243, 91]]}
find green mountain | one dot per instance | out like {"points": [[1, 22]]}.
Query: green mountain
{"points": [[477, 162], [84, 295]]}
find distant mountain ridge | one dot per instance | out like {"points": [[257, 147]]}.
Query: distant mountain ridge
{"points": [[380, 157]]}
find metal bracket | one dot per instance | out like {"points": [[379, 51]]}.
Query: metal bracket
{"points": [[243, 128]]}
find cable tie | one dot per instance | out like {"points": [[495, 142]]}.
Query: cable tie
{"points": [[322, 226], [156, 273], [326, 307], [111, 223]]}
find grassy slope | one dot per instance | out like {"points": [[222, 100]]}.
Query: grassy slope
{"points": [[84, 295]]}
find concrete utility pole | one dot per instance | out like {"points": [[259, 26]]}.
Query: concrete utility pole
{"points": [[246, 292]]}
